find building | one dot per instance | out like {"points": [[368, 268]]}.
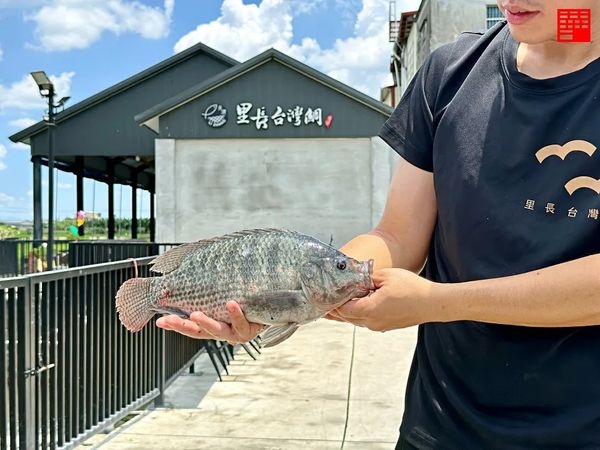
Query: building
{"points": [[417, 33], [226, 146]]}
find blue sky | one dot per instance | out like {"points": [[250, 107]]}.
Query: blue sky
{"points": [[88, 45]]}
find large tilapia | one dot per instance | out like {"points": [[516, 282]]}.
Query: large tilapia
{"points": [[280, 278]]}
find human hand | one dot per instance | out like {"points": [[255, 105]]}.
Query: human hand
{"points": [[401, 299], [200, 326]]}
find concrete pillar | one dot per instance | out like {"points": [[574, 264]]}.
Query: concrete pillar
{"points": [[166, 185], [380, 177]]}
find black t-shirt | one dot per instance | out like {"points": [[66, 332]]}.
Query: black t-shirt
{"points": [[516, 163]]}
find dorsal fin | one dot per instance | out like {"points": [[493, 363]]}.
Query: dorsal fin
{"points": [[171, 259]]}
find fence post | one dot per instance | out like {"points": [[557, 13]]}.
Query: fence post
{"points": [[26, 363], [160, 367]]}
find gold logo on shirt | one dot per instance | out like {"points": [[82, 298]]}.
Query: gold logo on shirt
{"points": [[583, 182], [562, 151]]}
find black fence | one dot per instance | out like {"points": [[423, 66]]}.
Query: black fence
{"points": [[25, 256], [68, 368], [84, 253]]}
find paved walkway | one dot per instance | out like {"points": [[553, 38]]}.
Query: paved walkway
{"points": [[330, 386]]}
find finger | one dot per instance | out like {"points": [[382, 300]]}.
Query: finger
{"points": [[238, 321], [162, 323], [379, 277], [220, 330], [186, 327], [338, 318], [353, 309], [331, 316]]}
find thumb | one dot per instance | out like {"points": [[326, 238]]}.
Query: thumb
{"points": [[380, 277]]}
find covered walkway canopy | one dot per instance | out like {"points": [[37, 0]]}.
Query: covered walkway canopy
{"points": [[99, 139]]}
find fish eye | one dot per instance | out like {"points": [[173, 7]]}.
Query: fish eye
{"points": [[341, 265]]}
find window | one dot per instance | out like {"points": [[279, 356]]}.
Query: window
{"points": [[493, 16]]}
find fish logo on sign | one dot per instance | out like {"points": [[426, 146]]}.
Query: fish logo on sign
{"points": [[562, 151], [215, 115]]}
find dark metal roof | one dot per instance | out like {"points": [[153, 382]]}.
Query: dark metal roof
{"points": [[150, 117], [25, 135], [102, 130]]}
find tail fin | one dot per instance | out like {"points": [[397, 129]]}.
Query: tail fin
{"points": [[134, 303]]}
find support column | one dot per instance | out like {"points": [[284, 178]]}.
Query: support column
{"points": [[38, 229], [80, 205], [152, 218], [111, 199], [134, 222]]}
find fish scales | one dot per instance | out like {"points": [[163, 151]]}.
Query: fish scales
{"points": [[279, 277]]}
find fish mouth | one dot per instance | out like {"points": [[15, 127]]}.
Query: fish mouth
{"points": [[368, 285], [370, 264]]}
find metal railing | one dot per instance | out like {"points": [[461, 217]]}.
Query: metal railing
{"points": [[26, 256], [68, 368], [84, 253]]}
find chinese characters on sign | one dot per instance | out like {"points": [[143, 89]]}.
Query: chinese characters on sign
{"points": [[574, 25], [550, 208], [296, 116]]}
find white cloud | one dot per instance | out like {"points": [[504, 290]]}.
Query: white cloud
{"points": [[1, 54], [6, 199], [76, 24], [2, 155], [361, 61], [22, 123], [65, 186], [306, 6], [24, 94], [242, 31], [19, 146]]}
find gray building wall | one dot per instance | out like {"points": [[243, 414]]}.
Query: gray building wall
{"points": [[438, 22], [322, 187], [449, 18]]}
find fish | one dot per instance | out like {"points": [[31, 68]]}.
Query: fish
{"points": [[280, 278]]}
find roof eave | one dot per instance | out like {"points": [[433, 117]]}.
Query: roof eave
{"points": [[24, 135], [145, 117]]}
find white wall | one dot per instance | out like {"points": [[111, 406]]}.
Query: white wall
{"points": [[321, 187]]}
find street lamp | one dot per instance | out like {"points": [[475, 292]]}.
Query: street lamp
{"points": [[47, 91], [61, 102]]}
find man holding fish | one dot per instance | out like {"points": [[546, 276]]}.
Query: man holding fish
{"points": [[497, 196]]}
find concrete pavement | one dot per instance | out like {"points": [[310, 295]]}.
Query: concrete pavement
{"points": [[330, 386]]}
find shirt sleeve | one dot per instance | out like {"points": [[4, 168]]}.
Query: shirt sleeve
{"points": [[410, 129]]}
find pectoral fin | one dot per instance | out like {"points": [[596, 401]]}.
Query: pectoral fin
{"points": [[277, 334], [274, 307], [282, 299]]}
